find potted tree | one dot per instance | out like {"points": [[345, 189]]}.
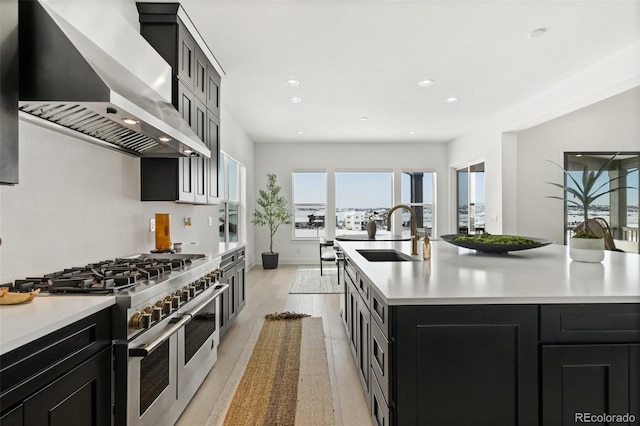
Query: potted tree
{"points": [[585, 245], [272, 213]]}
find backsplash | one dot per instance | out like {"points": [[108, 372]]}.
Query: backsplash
{"points": [[78, 203]]}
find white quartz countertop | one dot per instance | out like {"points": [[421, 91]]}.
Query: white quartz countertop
{"points": [[26, 322], [456, 275]]}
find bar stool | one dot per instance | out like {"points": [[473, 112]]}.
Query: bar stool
{"points": [[326, 255]]}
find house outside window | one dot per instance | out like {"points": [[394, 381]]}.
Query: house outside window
{"points": [[618, 209], [361, 197], [309, 204]]}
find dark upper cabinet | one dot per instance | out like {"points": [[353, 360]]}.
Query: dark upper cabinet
{"points": [[195, 93], [213, 90], [8, 92]]}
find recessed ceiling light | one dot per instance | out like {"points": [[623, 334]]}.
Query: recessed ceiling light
{"points": [[537, 32], [295, 100], [164, 138], [452, 99], [293, 82], [187, 151], [364, 118], [301, 133], [130, 121], [425, 83], [412, 132]]}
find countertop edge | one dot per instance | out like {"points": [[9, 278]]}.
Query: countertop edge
{"points": [[71, 316]]}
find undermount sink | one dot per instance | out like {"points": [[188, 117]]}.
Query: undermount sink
{"points": [[385, 255]]}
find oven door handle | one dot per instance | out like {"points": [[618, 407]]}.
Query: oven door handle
{"points": [[219, 289], [145, 350]]}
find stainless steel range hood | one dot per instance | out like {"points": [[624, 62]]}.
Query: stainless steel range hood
{"points": [[68, 82]]}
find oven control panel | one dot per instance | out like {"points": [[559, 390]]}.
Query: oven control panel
{"points": [[158, 310]]}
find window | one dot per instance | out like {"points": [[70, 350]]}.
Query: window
{"points": [[417, 191], [619, 208], [309, 204], [363, 196], [229, 189], [470, 199]]}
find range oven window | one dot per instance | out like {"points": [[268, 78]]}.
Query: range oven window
{"points": [[197, 332], [154, 375]]}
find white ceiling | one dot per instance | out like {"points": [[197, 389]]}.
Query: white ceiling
{"points": [[365, 58]]}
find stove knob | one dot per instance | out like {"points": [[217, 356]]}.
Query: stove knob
{"points": [[165, 305], [192, 291], [156, 314], [146, 320], [148, 309], [184, 296], [135, 323], [175, 301]]}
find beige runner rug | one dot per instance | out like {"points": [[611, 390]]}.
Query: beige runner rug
{"points": [[286, 379]]}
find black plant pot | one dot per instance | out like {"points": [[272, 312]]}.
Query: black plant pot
{"points": [[269, 260]]}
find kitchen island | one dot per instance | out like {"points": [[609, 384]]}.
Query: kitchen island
{"points": [[524, 338]]}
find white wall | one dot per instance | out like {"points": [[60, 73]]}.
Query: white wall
{"points": [[610, 125], [75, 203], [78, 203], [283, 159], [493, 141]]}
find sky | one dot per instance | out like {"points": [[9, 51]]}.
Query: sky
{"points": [[355, 189]]}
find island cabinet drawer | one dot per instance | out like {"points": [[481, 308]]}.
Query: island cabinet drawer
{"points": [[379, 311], [590, 323], [350, 270], [35, 365], [380, 359], [379, 407], [364, 288]]}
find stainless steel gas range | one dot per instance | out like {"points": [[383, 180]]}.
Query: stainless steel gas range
{"points": [[165, 326]]}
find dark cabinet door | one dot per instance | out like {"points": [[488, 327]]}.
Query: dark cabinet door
{"points": [[81, 397], [213, 90], [186, 57], [634, 380], [212, 140], [242, 297], [231, 279], [464, 365], [363, 338], [198, 164], [200, 75], [579, 379], [13, 417]]}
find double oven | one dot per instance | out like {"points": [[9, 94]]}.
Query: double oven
{"points": [[167, 344]]}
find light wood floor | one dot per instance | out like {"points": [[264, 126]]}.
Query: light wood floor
{"points": [[267, 292]]}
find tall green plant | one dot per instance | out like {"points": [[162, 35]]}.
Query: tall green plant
{"points": [[586, 192], [274, 211]]}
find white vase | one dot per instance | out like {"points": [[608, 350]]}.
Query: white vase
{"points": [[586, 249]]}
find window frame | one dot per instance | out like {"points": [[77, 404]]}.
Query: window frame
{"points": [[225, 200], [422, 204]]}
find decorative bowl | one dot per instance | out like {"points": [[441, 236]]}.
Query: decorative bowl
{"points": [[495, 247]]}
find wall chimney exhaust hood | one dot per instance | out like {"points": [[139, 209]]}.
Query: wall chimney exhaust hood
{"points": [[70, 83]]}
